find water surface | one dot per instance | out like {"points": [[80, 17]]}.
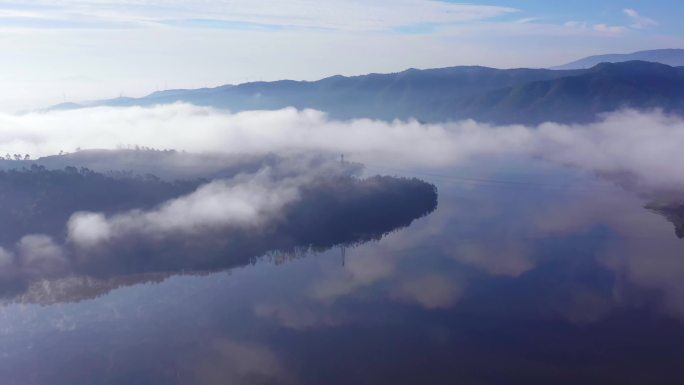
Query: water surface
{"points": [[526, 273]]}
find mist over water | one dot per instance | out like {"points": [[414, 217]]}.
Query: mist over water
{"points": [[60, 223], [260, 192], [560, 249], [240, 246], [642, 145]]}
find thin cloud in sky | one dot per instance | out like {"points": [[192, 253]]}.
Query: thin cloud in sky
{"points": [[106, 48], [334, 14], [616, 29], [639, 21]]}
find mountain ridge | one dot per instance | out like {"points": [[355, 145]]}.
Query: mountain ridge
{"points": [[500, 96]]}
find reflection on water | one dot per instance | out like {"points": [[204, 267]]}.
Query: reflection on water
{"points": [[557, 278], [137, 247]]}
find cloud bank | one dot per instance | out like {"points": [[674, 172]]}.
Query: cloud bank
{"points": [[642, 144]]}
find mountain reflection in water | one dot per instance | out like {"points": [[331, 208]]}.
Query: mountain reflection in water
{"points": [[560, 278]]}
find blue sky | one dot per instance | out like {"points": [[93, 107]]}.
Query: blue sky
{"points": [[60, 50], [668, 13]]}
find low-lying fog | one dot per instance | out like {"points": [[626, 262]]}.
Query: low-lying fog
{"points": [[642, 144], [114, 191]]}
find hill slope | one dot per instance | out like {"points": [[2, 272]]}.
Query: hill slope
{"points": [[581, 98]]}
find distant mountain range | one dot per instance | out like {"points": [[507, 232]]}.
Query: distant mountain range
{"points": [[671, 57], [501, 96], [582, 98]]}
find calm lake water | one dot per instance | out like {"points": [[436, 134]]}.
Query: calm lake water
{"points": [[527, 273]]}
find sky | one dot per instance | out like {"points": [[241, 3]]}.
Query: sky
{"points": [[74, 50]]}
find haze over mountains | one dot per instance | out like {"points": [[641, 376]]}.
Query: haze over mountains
{"points": [[498, 96], [672, 57]]}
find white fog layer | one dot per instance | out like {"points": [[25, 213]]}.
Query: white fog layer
{"points": [[643, 144]]}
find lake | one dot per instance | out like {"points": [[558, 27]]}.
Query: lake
{"points": [[526, 273]]}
